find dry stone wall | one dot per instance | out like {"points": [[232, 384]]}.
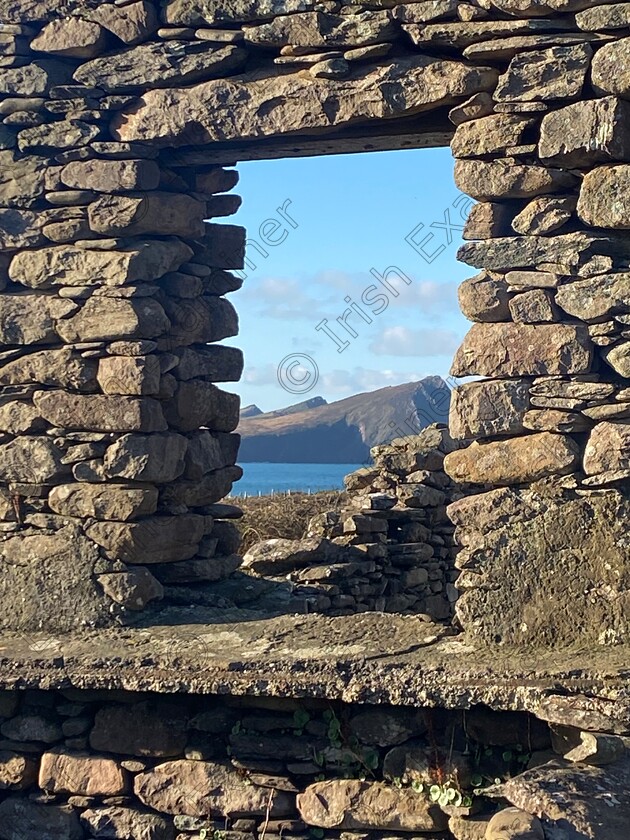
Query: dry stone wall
{"points": [[116, 441], [78, 764], [389, 547]]}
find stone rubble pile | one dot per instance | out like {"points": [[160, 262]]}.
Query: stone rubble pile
{"points": [[389, 548], [79, 764]]}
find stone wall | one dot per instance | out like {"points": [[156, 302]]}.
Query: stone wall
{"points": [[80, 764], [116, 443], [390, 546]]}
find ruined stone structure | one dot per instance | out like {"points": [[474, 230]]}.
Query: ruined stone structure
{"points": [[121, 122], [390, 547]]}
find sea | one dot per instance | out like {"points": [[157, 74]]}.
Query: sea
{"points": [[265, 479]]}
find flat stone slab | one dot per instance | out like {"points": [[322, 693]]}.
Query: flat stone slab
{"points": [[368, 658]]}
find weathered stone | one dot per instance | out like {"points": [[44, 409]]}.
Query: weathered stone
{"points": [[17, 771], [61, 368], [523, 281], [514, 824], [597, 749], [209, 451], [387, 727], [466, 33], [544, 215], [67, 134], [115, 501], [22, 177], [278, 556], [158, 539], [603, 201], [160, 64], [21, 818], [139, 375], [508, 350], [418, 495], [350, 804], [539, 8], [20, 229], [155, 458], [608, 448], [133, 590], [204, 113], [614, 16], [33, 79], [511, 595], [479, 105], [579, 253], [201, 320], [490, 135], [594, 714], [318, 29], [551, 420], [487, 180], [597, 298], [61, 589], [115, 821], [206, 491], [143, 729], [70, 37], [488, 219], [80, 773], [534, 307], [132, 23], [202, 788], [485, 298], [505, 49], [485, 409], [33, 460], [610, 72], [199, 569], [101, 319], [562, 794], [556, 73], [424, 11], [18, 418], [111, 175], [154, 212], [584, 133], [210, 12], [618, 357], [70, 265], [32, 727], [198, 403], [214, 363], [513, 461], [468, 828], [100, 413]]}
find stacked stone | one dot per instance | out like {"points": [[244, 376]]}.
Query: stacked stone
{"points": [[116, 117], [81, 764], [115, 441], [551, 311], [390, 548], [406, 491]]}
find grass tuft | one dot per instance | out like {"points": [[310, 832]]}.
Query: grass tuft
{"points": [[282, 516]]}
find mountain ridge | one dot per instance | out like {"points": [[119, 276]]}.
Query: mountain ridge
{"points": [[344, 431]]}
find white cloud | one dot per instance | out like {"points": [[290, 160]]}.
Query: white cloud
{"points": [[348, 382], [403, 341]]}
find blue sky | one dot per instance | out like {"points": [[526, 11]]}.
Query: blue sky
{"points": [[368, 239]]}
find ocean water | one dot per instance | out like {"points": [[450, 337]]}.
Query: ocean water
{"points": [[263, 479]]}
